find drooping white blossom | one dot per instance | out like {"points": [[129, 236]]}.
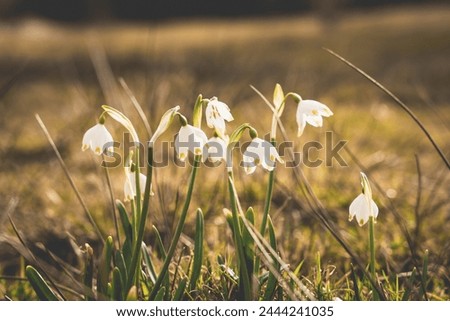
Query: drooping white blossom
{"points": [[217, 149], [363, 207], [216, 114], [191, 139], [98, 139], [311, 112], [260, 152], [130, 187]]}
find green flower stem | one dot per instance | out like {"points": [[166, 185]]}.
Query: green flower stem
{"points": [[268, 201], [178, 230], [134, 221], [244, 280], [148, 185], [141, 219], [138, 188], [113, 205], [372, 255]]}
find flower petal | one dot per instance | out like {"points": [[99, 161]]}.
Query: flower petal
{"points": [[262, 152], [97, 138], [311, 112], [128, 191], [313, 107], [363, 206], [268, 165], [209, 115], [270, 156], [249, 164], [199, 135], [216, 114], [314, 120], [217, 149], [218, 124], [191, 139], [355, 205], [183, 153], [359, 208], [375, 209], [301, 121], [165, 122], [274, 155], [129, 187], [224, 111]]}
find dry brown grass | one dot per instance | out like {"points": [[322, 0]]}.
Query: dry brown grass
{"points": [[407, 49]]}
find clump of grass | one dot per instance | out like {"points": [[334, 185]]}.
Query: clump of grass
{"points": [[127, 269]]}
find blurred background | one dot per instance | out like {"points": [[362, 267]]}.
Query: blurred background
{"points": [[64, 59], [86, 10]]}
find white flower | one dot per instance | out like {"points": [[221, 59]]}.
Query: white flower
{"points": [[260, 152], [311, 112], [165, 122], [129, 187], [192, 139], [216, 114], [217, 149], [98, 139], [361, 209], [363, 206]]}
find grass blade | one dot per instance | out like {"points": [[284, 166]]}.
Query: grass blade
{"points": [[170, 288], [159, 243], [128, 230], [265, 249], [163, 253], [148, 263], [160, 295], [267, 203], [11, 207], [297, 272], [4, 88], [245, 286], [117, 285], [398, 101], [111, 196], [39, 285], [124, 271], [88, 273], [249, 243], [69, 177], [355, 284], [137, 244], [104, 268], [126, 225], [229, 219], [179, 228], [424, 279], [272, 280], [178, 296], [136, 106], [318, 280], [409, 286], [198, 250]]}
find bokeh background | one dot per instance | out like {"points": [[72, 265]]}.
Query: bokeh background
{"points": [[64, 59]]}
